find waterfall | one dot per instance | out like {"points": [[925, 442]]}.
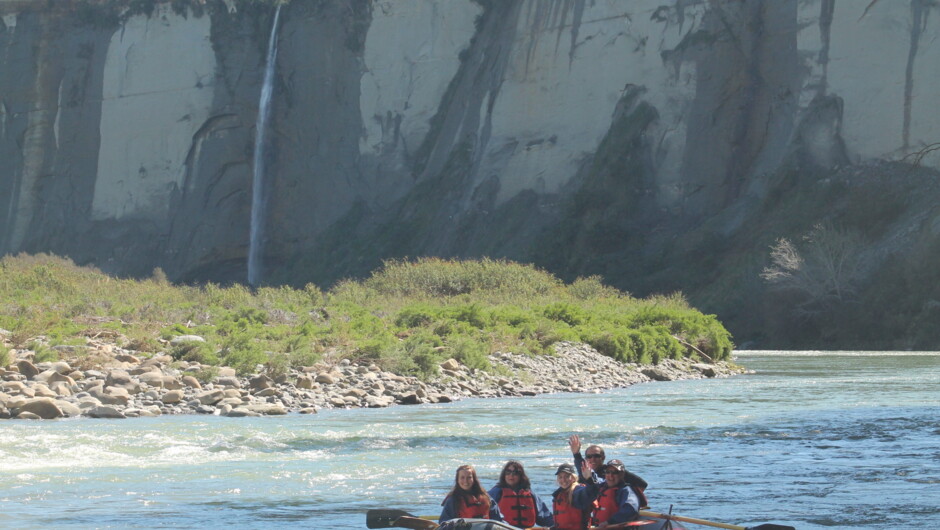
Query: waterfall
{"points": [[256, 236]]}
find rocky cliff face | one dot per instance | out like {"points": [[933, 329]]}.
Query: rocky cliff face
{"points": [[663, 144]]}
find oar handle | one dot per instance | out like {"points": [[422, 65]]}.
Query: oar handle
{"points": [[692, 520]]}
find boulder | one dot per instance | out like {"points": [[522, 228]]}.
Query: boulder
{"points": [[118, 377], [450, 364], [325, 378], [172, 397], [154, 379], [304, 382], [260, 382], [270, 391], [69, 409], [105, 411], [61, 367], [26, 415], [42, 407], [210, 397], [27, 368], [228, 381], [268, 409], [192, 382], [183, 339]]}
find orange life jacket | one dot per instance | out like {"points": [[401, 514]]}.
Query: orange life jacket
{"points": [[473, 508], [567, 517], [518, 507]]}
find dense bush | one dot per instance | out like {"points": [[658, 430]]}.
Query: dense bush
{"points": [[407, 317]]}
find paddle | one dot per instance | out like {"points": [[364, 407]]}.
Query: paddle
{"points": [[767, 526], [388, 518]]}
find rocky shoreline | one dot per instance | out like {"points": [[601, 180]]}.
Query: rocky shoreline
{"points": [[106, 381]]}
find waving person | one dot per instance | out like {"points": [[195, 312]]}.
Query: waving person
{"points": [[467, 499], [572, 502], [617, 501], [518, 505]]}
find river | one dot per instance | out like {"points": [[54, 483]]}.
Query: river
{"points": [[810, 439]]}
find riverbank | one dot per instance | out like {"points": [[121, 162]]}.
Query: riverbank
{"points": [[108, 381]]}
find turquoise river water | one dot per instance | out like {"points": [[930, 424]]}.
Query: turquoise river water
{"points": [[810, 439]]}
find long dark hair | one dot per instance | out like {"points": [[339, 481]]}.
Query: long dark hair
{"points": [[461, 495], [523, 478]]}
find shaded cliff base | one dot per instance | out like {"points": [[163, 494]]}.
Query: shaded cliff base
{"points": [[115, 382]]}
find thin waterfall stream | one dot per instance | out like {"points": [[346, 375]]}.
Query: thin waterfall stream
{"points": [[258, 196]]}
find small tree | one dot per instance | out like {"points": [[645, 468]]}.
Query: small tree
{"points": [[824, 269]]}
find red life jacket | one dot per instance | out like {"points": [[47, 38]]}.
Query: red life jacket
{"points": [[567, 517], [606, 504], [518, 508], [473, 508]]}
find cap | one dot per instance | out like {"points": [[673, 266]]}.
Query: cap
{"points": [[616, 464], [566, 468]]}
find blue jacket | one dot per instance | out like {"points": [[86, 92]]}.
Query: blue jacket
{"points": [[543, 513], [450, 510]]}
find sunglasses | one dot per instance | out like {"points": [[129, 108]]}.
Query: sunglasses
{"points": [[596, 455], [514, 472]]}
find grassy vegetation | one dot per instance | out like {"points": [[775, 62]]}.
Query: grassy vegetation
{"points": [[407, 317]]}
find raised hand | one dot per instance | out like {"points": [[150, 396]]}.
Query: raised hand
{"points": [[574, 443]]}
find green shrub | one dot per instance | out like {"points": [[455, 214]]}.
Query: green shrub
{"points": [[564, 312], [407, 317]]}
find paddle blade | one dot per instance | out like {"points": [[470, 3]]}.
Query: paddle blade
{"points": [[771, 526], [384, 518]]}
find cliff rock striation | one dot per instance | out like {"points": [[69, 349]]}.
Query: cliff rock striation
{"points": [[666, 145]]}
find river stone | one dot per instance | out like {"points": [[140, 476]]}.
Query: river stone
{"points": [[43, 407], [171, 383], [325, 378], [105, 411], [267, 392], [118, 377], [450, 364], [260, 382], [268, 409], [154, 379], [657, 373], [61, 388], [110, 396], [127, 358], [27, 368], [229, 381], [43, 391], [304, 382], [210, 397], [241, 412], [183, 339], [206, 409], [53, 376], [192, 382], [173, 396], [227, 371], [62, 367], [26, 415], [69, 409]]}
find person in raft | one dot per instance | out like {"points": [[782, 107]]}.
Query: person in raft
{"points": [[594, 455], [467, 499], [517, 503], [573, 501], [617, 500]]}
